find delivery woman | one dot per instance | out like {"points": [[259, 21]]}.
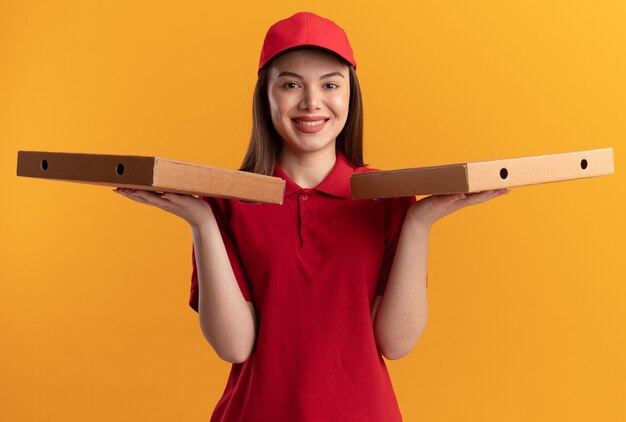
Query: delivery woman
{"points": [[305, 298]]}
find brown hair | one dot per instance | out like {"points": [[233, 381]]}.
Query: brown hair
{"points": [[265, 142]]}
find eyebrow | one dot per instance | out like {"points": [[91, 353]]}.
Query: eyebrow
{"points": [[295, 75]]}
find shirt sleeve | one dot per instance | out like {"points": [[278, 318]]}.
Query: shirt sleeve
{"points": [[221, 214], [395, 212]]}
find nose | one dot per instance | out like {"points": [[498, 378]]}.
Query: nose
{"points": [[310, 99]]}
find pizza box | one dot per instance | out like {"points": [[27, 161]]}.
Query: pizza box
{"points": [[151, 173], [482, 175]]}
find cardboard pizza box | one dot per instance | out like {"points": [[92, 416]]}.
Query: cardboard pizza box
{"points": [[151, 173], [483, 175]]}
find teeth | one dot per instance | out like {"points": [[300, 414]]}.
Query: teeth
{"points": [[303, 123]]}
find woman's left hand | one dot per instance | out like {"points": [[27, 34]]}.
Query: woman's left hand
{"points": [[432, 208]]}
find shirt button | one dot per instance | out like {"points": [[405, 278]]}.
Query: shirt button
{"points": [[309, 234], [305, 197], [307, 214]]}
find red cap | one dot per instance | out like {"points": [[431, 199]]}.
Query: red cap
{"points": [[305, 28]]}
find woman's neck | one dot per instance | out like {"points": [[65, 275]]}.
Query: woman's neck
{"points": [[307, 170]]}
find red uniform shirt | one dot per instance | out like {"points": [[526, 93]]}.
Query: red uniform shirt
{"points": [[312, 267]]}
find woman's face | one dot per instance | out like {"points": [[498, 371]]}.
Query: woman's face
{"points": [[309, 95]]}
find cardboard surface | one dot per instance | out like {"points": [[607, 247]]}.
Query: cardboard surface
{"points": [[151, 173], [483, 175]]}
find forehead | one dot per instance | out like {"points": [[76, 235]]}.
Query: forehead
{"points": [[313, 60]]}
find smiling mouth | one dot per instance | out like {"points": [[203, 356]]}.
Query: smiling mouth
{"points": [[315, 123]]}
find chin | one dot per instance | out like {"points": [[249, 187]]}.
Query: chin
{"points": [[312, 146], [304, 145]]}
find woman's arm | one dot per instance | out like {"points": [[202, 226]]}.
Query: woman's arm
{"points": [[227, 320], [401, 314]]}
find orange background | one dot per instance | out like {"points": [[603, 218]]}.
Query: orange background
{"points": [[526, 293]]}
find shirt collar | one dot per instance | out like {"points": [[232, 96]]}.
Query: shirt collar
{"points": [[336, 183]]}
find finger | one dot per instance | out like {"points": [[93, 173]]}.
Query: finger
{"points": [[497, 191], [477, 197], [138, 196], [173, 197], [152, 198], [452, 197], [123, 192], [178, 200], [131, 196], [489, 195]]}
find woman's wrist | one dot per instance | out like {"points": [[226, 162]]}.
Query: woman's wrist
{"points": [[418, 220], [205, 226]]}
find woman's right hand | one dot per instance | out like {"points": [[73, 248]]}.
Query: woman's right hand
{"points": [[193, 210]]}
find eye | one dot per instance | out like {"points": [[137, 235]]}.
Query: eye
{"points": [[332, 85], [290, 85]]}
